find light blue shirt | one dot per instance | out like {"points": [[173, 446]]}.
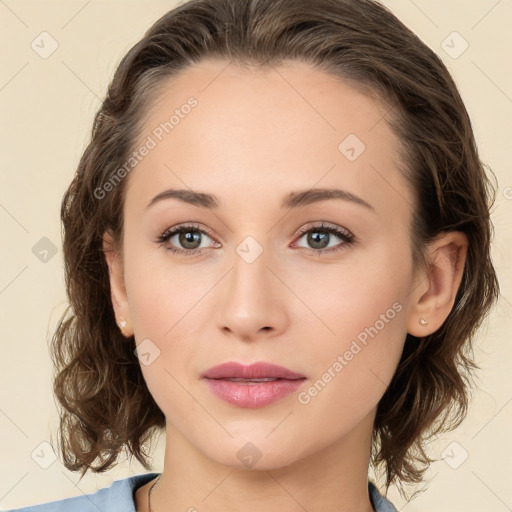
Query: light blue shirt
{"points": [[120, 496]]}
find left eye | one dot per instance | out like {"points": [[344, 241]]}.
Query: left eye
{"points": [[317, 236]]}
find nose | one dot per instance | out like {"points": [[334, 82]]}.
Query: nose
{"points": [[253, 299]]}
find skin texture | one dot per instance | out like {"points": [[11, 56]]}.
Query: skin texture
{"points": [[254, 137]]}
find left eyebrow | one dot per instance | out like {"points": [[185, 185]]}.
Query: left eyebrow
{"points": [[306, 197]]}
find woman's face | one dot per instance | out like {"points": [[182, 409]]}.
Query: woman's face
{"points": [[259, 281]]}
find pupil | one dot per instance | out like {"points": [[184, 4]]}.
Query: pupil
{"points": [[316, 239], [189, 237]]}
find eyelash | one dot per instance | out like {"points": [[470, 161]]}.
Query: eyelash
{"points": [[342, 233]]}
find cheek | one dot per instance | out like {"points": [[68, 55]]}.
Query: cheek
{"points": [[159, 291], [367, 289], [167, 317], [363, 353], [352, 368], [358, 328]]}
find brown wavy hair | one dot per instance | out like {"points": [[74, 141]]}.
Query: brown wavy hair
{"points": [[104, 401]]}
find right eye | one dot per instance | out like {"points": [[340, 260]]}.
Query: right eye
{"points": [[187, 235]]}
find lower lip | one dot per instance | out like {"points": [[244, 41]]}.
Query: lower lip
{"points": [[253, 395]]}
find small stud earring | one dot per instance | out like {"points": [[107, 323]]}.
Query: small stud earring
{"points": [[122, 323], [422, 321]]}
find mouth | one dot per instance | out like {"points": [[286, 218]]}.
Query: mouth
{"points": [[255, 382], [252, 386]]}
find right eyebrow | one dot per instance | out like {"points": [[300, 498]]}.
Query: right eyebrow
{"points": [[187, 196]]}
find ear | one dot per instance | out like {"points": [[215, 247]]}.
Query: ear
{"points": [[117, 288], [436, 287]]}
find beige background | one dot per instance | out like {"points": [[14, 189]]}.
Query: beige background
{"points": [[47, 107]]}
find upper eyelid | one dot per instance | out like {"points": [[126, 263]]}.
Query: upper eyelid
{"points": [[324, 225], [191, 227]]}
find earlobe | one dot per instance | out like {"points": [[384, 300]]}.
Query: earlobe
{"points": [[434, 297], [117, 287]]}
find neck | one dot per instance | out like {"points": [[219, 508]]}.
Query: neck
{"points": [[334, 478]]}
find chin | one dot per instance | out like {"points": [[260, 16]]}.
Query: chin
{"points": [[254, 455]]}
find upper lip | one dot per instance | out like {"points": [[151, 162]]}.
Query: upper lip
{"points": [[259, 370]]}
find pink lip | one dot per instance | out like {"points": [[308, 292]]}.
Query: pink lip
{"points": [[253, 371], [252, 395]]}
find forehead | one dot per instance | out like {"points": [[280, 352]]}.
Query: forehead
{"points": [[254, 131]]}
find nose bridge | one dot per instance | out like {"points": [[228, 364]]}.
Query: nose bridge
{"points": [[250, 274], [252, 299]]}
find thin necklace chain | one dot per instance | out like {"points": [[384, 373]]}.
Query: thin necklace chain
{"points": [[151, 490]]}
